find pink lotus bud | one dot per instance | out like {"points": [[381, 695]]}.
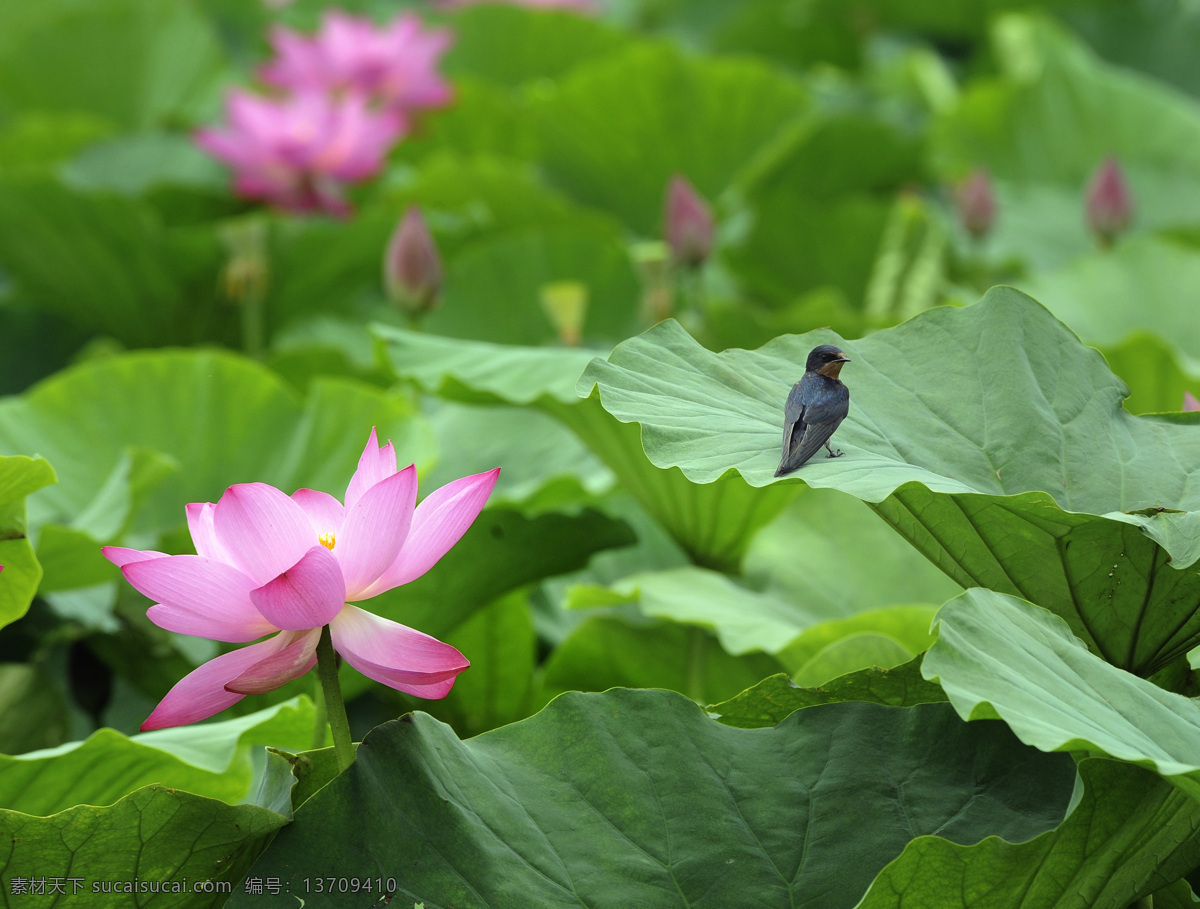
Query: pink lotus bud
{"points": [[687, 224], [412, 268], [1109, 204], [1190, 402], [976, 203]]}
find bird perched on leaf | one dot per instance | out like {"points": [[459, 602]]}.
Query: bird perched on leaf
{"points": [[815, 408]]}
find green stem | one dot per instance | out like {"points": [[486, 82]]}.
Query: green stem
{"points": [[694, 674], [320, 717], [253, 324], [335, 707]]}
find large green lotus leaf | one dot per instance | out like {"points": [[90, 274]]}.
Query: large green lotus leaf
{"points": [[876, 638], [714, 524], [19, 476], [39, 142], [1156, 381], [542, 459], [748, 621], [499, 640], [1093, 294], [1156, 41], [831, 195], [157, 847], [1043, 127], [210, 759], [216, 418], [998, 656], [509, 45], [775, 698], [504, 549], [831, 552], [465, 198], [615, 130], [133, 164], [1130, 834], [636, 798], [106, 262], [34, 343], [481, 373], [494, 288], [136, 62], [322, 267], [744, 620], [485, 119], [610, 651], [826, 33], [988, 436]]}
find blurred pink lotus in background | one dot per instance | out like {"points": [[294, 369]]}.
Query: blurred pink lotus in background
{"points": [[268, 562], [1190, 401], [299, 152], [394, 65]]}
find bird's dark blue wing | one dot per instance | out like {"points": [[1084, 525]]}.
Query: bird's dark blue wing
{"points": [[815, 408]]}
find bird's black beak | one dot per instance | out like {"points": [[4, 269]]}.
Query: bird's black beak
{"points": [[843, 359]]}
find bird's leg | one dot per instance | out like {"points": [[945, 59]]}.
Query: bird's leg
{"points": [[832, 453]]}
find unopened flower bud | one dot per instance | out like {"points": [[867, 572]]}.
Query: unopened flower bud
{"points": [[687, 224], [976, 203], [412, 268], [1109, 203], [1190, 402]]}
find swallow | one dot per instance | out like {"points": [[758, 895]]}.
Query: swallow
{"points": [[815, 408]]}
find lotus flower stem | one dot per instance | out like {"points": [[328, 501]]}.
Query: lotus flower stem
{"points": [[335, 707]]}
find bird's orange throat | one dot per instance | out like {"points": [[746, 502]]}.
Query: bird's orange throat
{"points": [[833, 369]]}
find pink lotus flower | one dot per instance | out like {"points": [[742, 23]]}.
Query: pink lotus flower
{"points": [[1190, 402], [687, 223], [299, 152], [395, 65], [269, 563]]}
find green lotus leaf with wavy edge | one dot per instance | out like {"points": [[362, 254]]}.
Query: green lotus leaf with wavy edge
{"points": [[714, 523], [166, 428], [777, 697], [988, 436], [208, 759], [509, 45], [157, 847], [999, 657], [1130, 835], [616, 129], [636, 798], [19, 476], [812, 645]]}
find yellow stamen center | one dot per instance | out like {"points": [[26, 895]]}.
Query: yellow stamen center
{"points": [[328, 540]]}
